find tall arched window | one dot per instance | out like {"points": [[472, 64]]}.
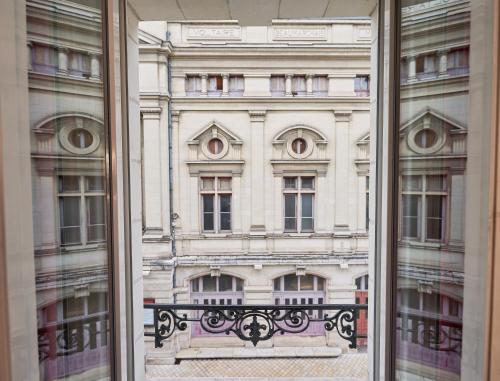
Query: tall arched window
{"points": [[222, 290], [292, 289]]}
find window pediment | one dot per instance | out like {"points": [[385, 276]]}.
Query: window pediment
{"points": [[215, 147]]}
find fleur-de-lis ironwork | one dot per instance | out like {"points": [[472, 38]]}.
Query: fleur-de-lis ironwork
{"points": [[255, 323]]}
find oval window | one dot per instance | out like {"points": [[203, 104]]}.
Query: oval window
{"points": [[80, 138], [215, 146], [299, 146], [426, 138]]}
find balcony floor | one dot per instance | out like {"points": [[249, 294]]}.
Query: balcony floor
{"points": [[347, 367]]}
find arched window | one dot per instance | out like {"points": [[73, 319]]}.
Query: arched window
{"points": [[292, 289], [222, 290]]}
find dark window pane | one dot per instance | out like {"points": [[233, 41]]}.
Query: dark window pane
{"points": [[411, 211], [290, 182], [69, 184], [436, 183], [225, 283], [73, 307], [277, 284], [307, 182], [291, 282], [95, 183], [97, 302], [290, 212], [410, 298], [307, 282], [435, 212], [321, 284], [208, 212], [225, 212], [411, 183], [209, 283], [307, 212], [432, 302], [69, 216], [95, 219], [239, 284], [195, 285]]}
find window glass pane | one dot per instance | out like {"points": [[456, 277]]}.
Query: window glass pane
{"points": [[209, 283], [225, 212], [208, 212], [97, 302], [410, 298], [411, 215], [95, 183], [195, 285], [291, 282], [277, 85], [290, 182], [436, 183], [307, 182], [73, 307], [435, 213], [320, 284], [207, 183], [290, 212], [307, 282], [444, 151], [307, 212], [69, 209], [225, 283], [411, 183], [239, 284], [95, 218], [277, 284], [224, 183], [69, 147], [299, 85], [69, 184]]}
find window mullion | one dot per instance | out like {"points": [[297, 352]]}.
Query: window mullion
{"points": [[83, 212]]}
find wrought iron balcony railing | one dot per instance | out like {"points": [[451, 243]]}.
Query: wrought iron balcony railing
{"points": [[255, 323]]}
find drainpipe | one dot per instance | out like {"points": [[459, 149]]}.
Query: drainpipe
{"points": [[170, 172]]}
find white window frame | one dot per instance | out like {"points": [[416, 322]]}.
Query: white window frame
{"points": [[216, 192], [83, 195], [423, 193], [299, 191]]}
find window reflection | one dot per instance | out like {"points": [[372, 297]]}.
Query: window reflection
{"points": [[69, 193], [432, 163]]}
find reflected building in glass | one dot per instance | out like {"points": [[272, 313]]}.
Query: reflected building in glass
{"points": [[432, 167], [68, 150]]}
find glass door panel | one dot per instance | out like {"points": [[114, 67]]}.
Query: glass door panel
{"points": [[68, 150]]}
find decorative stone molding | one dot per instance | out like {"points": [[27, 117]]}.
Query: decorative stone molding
{"points": [[362, 160], [315, 146], [202, 160]]}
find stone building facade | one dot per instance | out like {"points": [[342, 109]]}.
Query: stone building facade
{"points": [[255, 166]]}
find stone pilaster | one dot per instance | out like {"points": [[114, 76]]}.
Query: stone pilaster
{"points": [[225, 84], [309, 84], [257, 119], [342, 169]]}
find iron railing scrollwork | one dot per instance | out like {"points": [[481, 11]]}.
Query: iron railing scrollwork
{"points": [[254, 323]]}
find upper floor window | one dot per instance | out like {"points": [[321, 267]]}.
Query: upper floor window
{"points": [[216, 204], [193, 85], [236, 85], [216, 284], [362, 85], [423, 202], [44, 59], [214, 84], [278, 86], [320, 85], [362, 283], [427, 66], [458, 61], [298, 194], [299, 85], [367, 202], [81, 210], [79, 64]]}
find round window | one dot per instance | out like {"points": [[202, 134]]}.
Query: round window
{"points": [[215, 146], [426, 138], [80, 138], [299, 146]]}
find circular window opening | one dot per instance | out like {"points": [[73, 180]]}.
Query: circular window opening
{"points": [[215, 146], [426, 138], [299, 146], [80, 138]]}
